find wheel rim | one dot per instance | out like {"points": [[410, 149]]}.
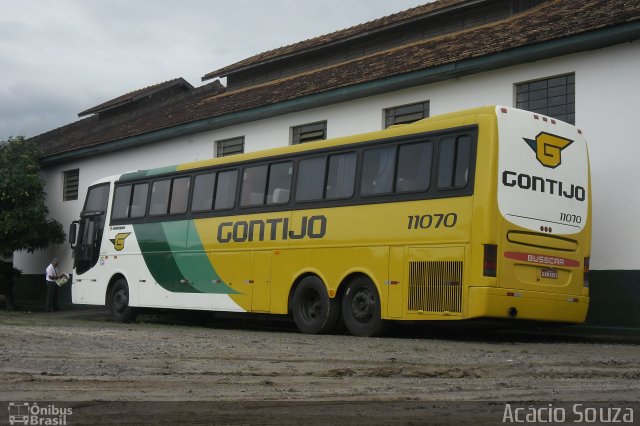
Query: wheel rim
{"points": [[311, 307], [120, 300], [363, 305]]}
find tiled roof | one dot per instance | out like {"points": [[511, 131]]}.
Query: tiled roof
{"points": [[339, 36], [137, 94], [549, 21], [94, 130]]}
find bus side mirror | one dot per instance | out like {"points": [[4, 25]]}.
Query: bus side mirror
{"points": [[73, 233]]}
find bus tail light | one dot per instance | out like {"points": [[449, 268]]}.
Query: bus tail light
{"points": [[490, 262], [586, 272]]}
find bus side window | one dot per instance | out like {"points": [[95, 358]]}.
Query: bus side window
{"points": [[454, 159], [414, 167], [463, 161], [203, 192], [226, 190], [254, 184], [310, 181], [378, 167], [160, 197], [121, 202], [279, 191], [341, 176], [179, 195], [139, 200]]}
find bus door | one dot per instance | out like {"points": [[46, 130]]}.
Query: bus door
{"points": [[86, 238], [88, 246], [90, 229], [235, 270]]}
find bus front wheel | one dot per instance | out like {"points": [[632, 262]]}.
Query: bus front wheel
{"points": [[119, 302], [314, 312], [361, 308]]}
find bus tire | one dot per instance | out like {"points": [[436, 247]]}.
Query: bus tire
{"points": [[119, 302], [361, 309], [314, 312]]}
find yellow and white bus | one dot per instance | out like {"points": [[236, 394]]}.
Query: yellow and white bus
{"points": [[483, 213]]}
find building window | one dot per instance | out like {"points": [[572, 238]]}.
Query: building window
{"points": [[309, 132], [70, 185], [230, 146], [405, 114], [553, 96]]}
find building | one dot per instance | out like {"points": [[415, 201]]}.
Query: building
{"points": [[575, 61]]}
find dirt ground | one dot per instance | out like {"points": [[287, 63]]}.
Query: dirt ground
{"points": [[172, 366]]}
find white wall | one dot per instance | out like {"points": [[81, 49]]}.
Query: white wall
{"points": [[606, 91]]}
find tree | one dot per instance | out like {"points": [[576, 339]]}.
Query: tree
{"points": [[23, 214]]}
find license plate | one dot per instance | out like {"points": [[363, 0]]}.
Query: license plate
{"points": [[549, 273]]}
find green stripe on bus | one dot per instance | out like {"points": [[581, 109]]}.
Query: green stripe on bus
{"points": [[174, 268]]}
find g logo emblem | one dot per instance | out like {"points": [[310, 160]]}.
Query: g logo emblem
{"points": [[118, 241], [548, 148]]}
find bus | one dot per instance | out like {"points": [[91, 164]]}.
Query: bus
{"points": [[482, 213]]}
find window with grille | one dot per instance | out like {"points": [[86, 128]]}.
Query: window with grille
{"points": [[554, 97], [70, 185], [405, 114], [230, 146], [309, 132]]}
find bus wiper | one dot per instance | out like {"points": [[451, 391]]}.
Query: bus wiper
{"points": [[92, 213]]}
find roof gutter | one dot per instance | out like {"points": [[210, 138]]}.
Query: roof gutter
{"points": [[586, 41]]}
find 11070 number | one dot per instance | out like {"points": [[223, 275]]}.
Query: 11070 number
{"points": [[435, 220], [571, 218]]}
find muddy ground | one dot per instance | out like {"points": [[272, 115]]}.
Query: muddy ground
{"points": [[264, 372]]}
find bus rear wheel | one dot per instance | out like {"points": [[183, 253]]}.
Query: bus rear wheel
{"points": [[314, 312], [361, 308], [119, 302]]}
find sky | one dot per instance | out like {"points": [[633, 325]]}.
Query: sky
{"points": [[61, 57]]}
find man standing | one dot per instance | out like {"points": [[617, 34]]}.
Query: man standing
{"points": [[52, 288]]}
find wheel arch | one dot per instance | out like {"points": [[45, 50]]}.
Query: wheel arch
{"points": [[115, 277], [352, 276], [296, 283], [340, 289]]}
